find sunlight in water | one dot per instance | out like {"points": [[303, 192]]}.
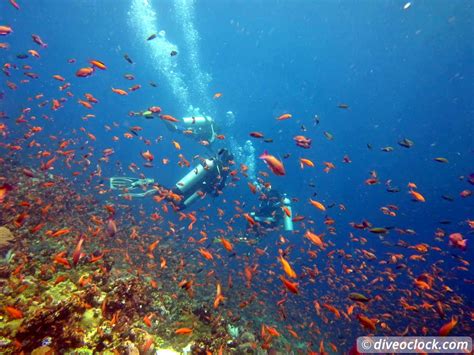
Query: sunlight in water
{"points": [[184, 11], [143, 20]]}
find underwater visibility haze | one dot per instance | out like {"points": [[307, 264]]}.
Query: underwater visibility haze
{"points": [[232, 177]]}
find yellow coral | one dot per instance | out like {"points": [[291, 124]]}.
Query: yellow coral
{"points": [[6, 237]]}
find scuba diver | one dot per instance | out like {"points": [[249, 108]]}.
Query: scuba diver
{"points": [[208, 177], [201, 128], [274, 209]]}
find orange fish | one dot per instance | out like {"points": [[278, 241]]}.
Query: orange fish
{"points": [[177, 145], [252, 187], [227, 245], [148, 156], [85, 104], [91, 98], [416, 196], [256, 134], [183, 331], [217, 95], [207, 255], [284, 117], [306, 162], [287, 267], [169, 118], [5, 30], [119, 91], [4, 189], [332, 309], [291, 286], [98, 64], [366, 322], [147, 321], [315, 239], [249, 219], [13, 312], [448, 327], [60, 233], [76, 255], [84, 72], [58, 77], [219, 296], [317, 204], [55, 105], [275, 165]]}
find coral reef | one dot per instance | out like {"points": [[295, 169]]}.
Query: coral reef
{"points": [[6, 238]]}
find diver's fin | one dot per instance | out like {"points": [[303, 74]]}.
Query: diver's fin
{"points": [[123, 182]]}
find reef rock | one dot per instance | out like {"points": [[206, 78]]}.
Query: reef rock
{"points": [[6, 238]]}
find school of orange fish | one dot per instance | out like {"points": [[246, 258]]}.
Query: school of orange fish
{"points": [[312, 291]]}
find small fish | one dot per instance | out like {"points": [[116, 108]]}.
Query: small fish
{"points": [[98, 64], [329, 136], [128, 59], [448, 327], [417, 196], [405, 142], [5, 30], [343, 106], [169, 118], [441, 160], [13, 312], [173, 53], [22, 56], [153, 36], [77, 251], [355, 296], [378, 230], [37, 39], [183, 331], [268, 140], [119, 91], [307, 162], [153, 84], [256, 134], [285, 116], [317, 204], [275, 165], [291, 286], [84, 72], [14, 4], [387, 149], [447, 198]]}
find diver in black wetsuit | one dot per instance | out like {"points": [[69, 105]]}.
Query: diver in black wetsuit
{"points": [[208, 177], [274, 209]]}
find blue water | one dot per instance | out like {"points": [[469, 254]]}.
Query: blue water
{"points": [[403, 73]]}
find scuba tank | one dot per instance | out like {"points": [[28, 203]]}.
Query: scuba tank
{"points": [[287, 221]]}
